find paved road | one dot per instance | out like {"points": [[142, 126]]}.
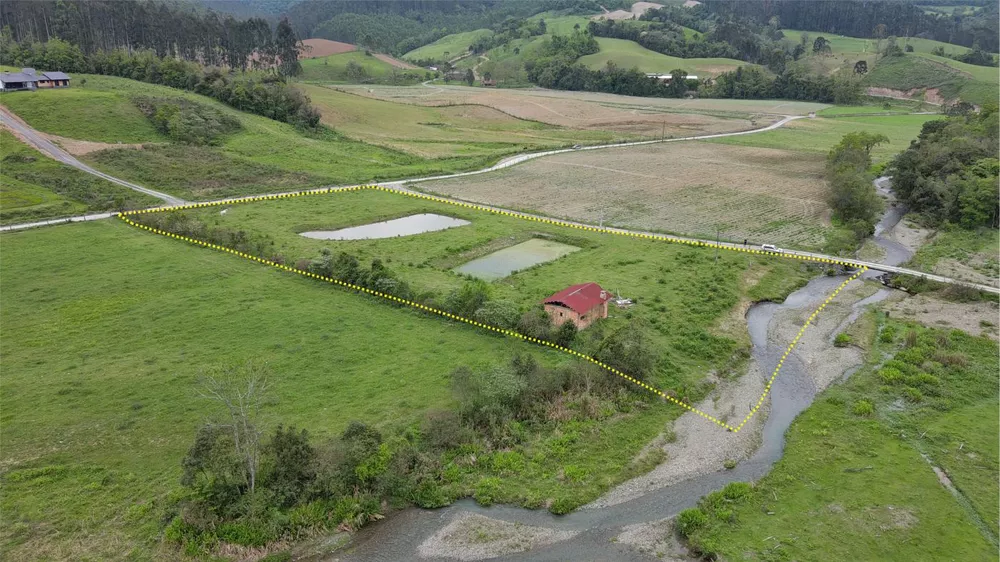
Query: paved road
{"points": [[505, 163], [48, 147]]}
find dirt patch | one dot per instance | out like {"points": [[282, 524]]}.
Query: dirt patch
{"points": [[760, 194], [909, 235], [656, 538], [395, 62], [930, 95], [80, 147], [324, 47], [691, 3], [976, 318], [950, 267], [475, 537]]}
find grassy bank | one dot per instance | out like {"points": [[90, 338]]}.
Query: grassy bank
{"points": [[628, 54], [856, 481], [333, 68], [35, 187]]}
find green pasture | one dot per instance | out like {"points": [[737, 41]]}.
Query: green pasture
{"points": [[629, 54]]}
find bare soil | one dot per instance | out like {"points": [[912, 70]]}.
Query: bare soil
{"points": [[976, 318], [324, 47], [657, 538], [761, 194], [471, 536], [394, 61]]}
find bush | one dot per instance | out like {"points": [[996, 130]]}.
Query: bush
{"points": [[842, 340], [729, 464], [630, 350], [863, 408], [690, 520], [888, 334], [502, 314], [487, 490], [247, 532], [535, 324], [912, 395], [488, 398], [443, 430], [737, 491], [890, 375], [288, 465], [565, 334], [469, 298]]}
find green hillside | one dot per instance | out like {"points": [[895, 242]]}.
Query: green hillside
{"points": [[913, 72], [628, 54], [840, 44], [449, 46], [333, 69]]}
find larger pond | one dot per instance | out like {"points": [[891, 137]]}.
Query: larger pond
{"points": [[503, 262], [405, 226]]}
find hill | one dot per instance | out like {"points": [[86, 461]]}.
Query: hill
{"points": [[324, 47], [448, 47], [628, 54], [919, 75], [366, 69]]}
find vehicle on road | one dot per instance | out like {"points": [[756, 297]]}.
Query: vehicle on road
{"points": [[771, 248]]}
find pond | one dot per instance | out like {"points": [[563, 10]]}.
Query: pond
{"points": [[503, 262], [405, 226]]}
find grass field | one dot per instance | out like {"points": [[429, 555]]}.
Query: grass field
{"points": [[448, 47], [629, 54], [841, 44], [35, 187], [89, 112], [766, 195], [434, 132], [333, 69], [264, 155], [100, 403], [853, 484], [963, 254], [821, 134], [915, 72]]}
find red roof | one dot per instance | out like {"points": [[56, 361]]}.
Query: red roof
{"points": [[580, 298]]}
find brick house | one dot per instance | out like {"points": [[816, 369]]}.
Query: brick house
{"points": [[580, 304]]}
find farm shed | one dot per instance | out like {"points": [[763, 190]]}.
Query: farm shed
{"points": [[580, 304]]}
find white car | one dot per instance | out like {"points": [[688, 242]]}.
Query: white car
{"points": [[771, 248]]}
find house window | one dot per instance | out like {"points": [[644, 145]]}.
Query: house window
{"points": [[560, 315]]}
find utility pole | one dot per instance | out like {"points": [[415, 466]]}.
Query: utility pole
{"points": [[716, 245], [663, 131]]}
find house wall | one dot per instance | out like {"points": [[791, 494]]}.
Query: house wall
{"points": [[561, 314]]}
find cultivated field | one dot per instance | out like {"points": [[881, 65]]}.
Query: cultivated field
{"points": [[631, 117], [629, 54], [445, 131], [762, 194], [324, 47]]}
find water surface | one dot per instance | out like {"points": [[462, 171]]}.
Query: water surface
{"points": [[503, 262], [405, 226]]}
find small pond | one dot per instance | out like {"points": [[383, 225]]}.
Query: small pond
{"points": [[405, 226], [503, 262]]}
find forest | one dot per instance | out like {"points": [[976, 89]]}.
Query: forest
{"points": [[857, 18], [950, 173]]}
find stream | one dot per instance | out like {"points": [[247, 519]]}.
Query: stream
{"points": [[398, 537]]}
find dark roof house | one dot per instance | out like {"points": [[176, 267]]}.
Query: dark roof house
{"points": [[29, 79]]}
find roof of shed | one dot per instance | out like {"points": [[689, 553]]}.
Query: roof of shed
{"points": [[580, 298]]}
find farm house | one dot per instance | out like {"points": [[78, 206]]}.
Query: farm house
{"points": [[580, 304], [28, 79]]}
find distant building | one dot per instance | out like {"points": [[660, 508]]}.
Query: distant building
{"points": [[579, 304], [668, 77], [29, 79], [489, 83]]}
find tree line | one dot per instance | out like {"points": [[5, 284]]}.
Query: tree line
{"points": [[167, 30], [857, 18], [950, 173]]}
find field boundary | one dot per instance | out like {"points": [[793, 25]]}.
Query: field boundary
{"points": [[735, 429]]}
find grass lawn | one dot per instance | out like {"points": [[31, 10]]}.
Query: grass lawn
{"points": [[333, 68], [449, 46], [83, 112], [264, 154], [35, 187], [465, 130], [821, 134], [672, 278], [628, 54], [101, 357], [854, 486]]}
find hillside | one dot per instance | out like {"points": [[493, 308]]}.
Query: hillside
{"points": [[448, 47], [907, 73], [628, 54], [324, 47], [365, 69]]}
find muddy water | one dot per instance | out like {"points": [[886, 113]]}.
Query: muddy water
{"points": [[405, 226], [504, 262]]}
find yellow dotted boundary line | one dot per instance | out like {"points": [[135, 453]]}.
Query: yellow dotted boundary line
{"points": [[124, 216]]}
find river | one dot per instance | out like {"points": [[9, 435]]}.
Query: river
{"points": [[398, 537]]}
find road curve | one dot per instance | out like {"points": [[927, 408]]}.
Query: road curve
{"points": [[46, 146], [505, 163]]}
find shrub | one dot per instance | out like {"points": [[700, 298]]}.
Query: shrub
{"points": [[535, 324], [912, 395], [502, 314], [729, 464], [565, 334], [507, 462], [630, 350], [288, 461], [888, 334], [690, 520], [487, 490], [246, 532], [488, 398], [842, 340], [444, 430], [890, 375], [737, 491], [863, 408], [468, 298]]}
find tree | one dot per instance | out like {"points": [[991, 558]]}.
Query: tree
{"points": [[289, 468], [470, 77], [879, 33], [356, 72], [861, 67], [288, 47], [241, 390], [821, 45], [630, 350]]}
